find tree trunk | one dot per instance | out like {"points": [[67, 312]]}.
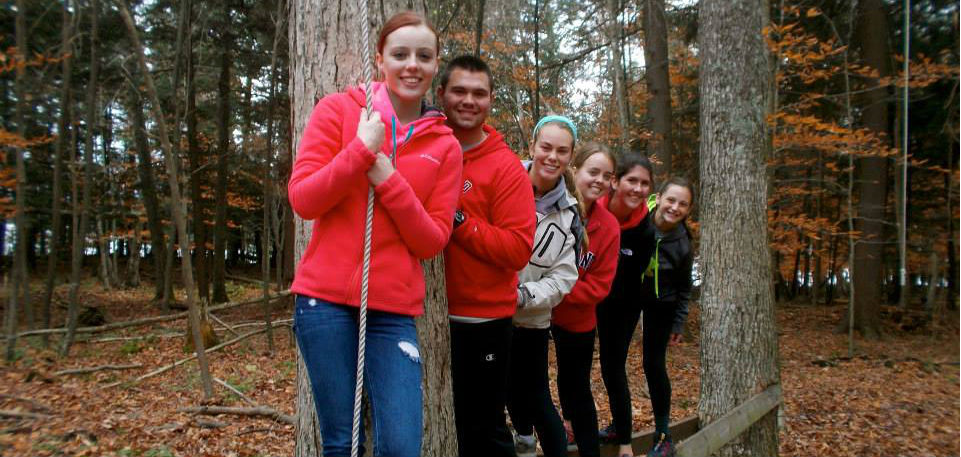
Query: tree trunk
{"points": [[952, 253], [223, 135], [658, 78], [279, 22], [817, 243], [105, 275], [615, 68], [930, 302], [19, 277], [536, 101], [176, 202], [320, 35], [479, 27], [148, 189], [872, 174], [433, 333], [198, 174], [56, 222], [85, 207], [133, 261], [739, 339]]}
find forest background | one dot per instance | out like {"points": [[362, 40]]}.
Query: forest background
{"points": [[96, 149]]}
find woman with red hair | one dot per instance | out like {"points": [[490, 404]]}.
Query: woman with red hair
{"points": [[414, 169]]}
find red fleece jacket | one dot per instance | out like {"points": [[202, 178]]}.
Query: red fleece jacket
{"points": [[495, 242], [413, 212], [595, 273]]}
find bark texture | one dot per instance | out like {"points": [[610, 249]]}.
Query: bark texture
{"points": [[614, 35], [872, 173], [223, 157], [53, 259], [433, 333], [148, 188], [739, 340], [658, 78]]}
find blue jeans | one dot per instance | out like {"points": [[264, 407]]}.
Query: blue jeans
{"points": [[327, 336]]}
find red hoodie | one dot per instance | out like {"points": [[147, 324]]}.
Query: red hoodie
{"points": [[495, 242], [413, 213], [635, 218], [595, 272]]}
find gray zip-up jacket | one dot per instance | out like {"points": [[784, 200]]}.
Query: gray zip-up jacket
{"points": [[552, 271]]}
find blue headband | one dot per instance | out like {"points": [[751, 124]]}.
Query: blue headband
{"points": [[556, 118]]}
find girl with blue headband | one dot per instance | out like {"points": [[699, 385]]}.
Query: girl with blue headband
{"points": [[549, 276]]}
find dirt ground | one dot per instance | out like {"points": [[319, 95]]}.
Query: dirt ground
{"points": [[897, 396]]}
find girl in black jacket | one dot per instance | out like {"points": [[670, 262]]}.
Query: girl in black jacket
{"points": [[618, 314], [665, 291]]}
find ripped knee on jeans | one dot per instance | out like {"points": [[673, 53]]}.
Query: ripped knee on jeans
{"points": [[410, 350]]}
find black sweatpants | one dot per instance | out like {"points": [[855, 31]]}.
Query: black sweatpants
{"points": [[575, 355], [530, 404], [616, 321], [658, 321], [480, 364]]}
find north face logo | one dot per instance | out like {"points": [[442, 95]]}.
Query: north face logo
{"points": [[467, 185]]}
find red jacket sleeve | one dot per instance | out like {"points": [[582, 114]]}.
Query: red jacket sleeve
{"points": [[425, 228], [595, 283], [322, 170], [507, 241]]}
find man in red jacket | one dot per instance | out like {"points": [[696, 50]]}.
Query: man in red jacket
{"points": [[492, 240]]}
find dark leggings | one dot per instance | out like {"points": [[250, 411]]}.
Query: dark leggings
{"points": [[575, 355], [616, 321], [530, 404], [658, 320]]}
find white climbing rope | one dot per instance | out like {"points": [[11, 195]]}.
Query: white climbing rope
{"points": [[368, 230]]}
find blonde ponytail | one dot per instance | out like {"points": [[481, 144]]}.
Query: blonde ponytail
{"points": [[581, 210]]}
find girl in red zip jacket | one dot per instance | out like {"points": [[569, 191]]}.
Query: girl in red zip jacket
{"points": [[574, 320], [414, 166]]}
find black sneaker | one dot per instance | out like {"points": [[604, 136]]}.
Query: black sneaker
{"points": [[663, 446], [607, 434]]}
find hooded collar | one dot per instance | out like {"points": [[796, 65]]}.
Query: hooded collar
{"points": [[554, 200], [431, 119], [493, 142], [633, 220]]}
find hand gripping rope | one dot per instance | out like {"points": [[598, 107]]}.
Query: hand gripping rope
{"points": [[368, 229]]}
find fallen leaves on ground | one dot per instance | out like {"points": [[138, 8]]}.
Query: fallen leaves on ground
{"points": [[897, 396]]}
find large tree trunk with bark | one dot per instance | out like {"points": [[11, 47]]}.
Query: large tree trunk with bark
{"points": [[148, 187], [433, 334], [223, 136], [84, 209], [64, 126], [198, 174], [738, 335], [658, 78], [326, 56], [872, 173]]}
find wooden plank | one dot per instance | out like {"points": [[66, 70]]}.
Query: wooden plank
{"points": [[718, 433], [642, 440]]}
